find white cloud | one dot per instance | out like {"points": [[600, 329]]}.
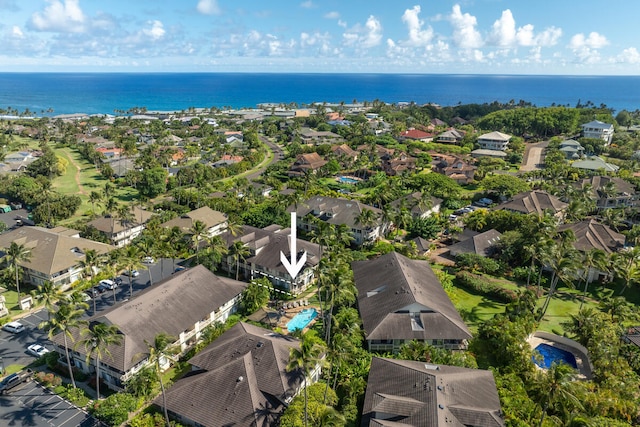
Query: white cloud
{"points": [[208, 7], [17, 32], [592, 41], [64, 17], [503, 31], [629, 56], [549, 37], [366, 36], [417, 36], [307, 4], [342, 23], [332, 15], [156, 31], [465, 34]]}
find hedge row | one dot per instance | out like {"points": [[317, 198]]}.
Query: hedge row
{"points": [[478, 285]]}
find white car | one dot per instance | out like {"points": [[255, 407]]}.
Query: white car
{"points": [[132, 273], [148, 260], [37, 350], [14, 327], [107, 284]]}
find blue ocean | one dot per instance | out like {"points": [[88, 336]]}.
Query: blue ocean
{"points": [[91, 93]]}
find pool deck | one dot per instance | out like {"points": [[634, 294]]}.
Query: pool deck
{"points": [[584, 367], [289, 313]]}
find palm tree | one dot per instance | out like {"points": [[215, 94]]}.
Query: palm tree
{"points": [[562, 261], [97, 339], [49, 294], [16, 254], [94, 198], [198, 232], [174, 239], [556, 387], [594, 258], [239, 251], [90, 261], [216, 249], [159, 351], [627, 267], [305, 359], [130, 261], [64, 320]]}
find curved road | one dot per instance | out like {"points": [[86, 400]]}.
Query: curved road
{"points": [[533, 155]]}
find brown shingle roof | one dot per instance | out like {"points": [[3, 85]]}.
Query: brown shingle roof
{"points": [[411, 393], [590, 234], [171, 306], [343, 211], [51, 251], [534, 202], [480, 243], [205, 214], [239, 379], [112, 225], [389, 285]]}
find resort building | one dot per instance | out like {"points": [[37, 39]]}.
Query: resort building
{"points": [[263, 260], [409, 393], [400, 300], [215, 222], [418, 204], [473, 242], [339, 211], [535, 202], [56, 254], [571, 149], [451, 136], [241, 379], [599, 130], [181, 306], [610, 192], [121, 231], [307, 163]]}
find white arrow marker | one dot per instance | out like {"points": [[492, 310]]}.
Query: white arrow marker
{"points": [[293, 267]]}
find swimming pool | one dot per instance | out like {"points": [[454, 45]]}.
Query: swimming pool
{"points": [[302, 319], [347, 180], [552, 355]]}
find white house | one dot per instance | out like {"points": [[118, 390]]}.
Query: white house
{"points": [[599, 130], [494, 141]]}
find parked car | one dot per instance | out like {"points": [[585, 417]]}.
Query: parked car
{"points": [[179, 268], [13, 327], [37, 350], [132, 273], [93, 292], [453, 217], [148, 260], [107, 284], [14, 380]]}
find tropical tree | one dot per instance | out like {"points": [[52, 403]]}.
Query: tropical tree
{"points": [[216, 250], [64, 320], [366, 218], [49, 294], [594, 258], [304, 359], [17, 253], [130, 261], [94, 198], [159, 351], [90, 261], [239, 251], [256, 295], [557, 392], [96, 340], [562, 259], [198, 232]]}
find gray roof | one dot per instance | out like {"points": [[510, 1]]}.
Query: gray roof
{"points": [[172, 306], [238, 378], [570, 143], [590, 234], [534, 202], [598, 183], [410, 393], [389, 285], [412, 202], [495, 136], [595, 163], [597, 124], [333, 210], [52, 250], [113, 225], [487, 152], [480, 243], [267, 243]]}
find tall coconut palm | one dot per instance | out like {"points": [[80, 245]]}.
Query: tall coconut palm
{"points": [[159, 351], [130, 261], [16, 254], [304, 360], [97, 338], [90, 261], [239, 251], [65, 319], [216, 250], [49, 294], [556, 388], [563, 263], [198, 232], [94, 198], [594, 258]]}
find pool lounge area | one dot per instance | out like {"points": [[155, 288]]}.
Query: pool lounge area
{"points": [[302, 319], [348, 180]]}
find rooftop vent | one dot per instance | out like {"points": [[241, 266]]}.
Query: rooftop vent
{"points": [[260, 344], [240, 379], [431, 367]]}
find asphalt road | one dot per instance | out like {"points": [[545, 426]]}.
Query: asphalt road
{"points": [[534, 155], [32, 405]]}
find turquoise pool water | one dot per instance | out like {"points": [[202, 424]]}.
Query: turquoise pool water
{"points": [[347, 180], [302, 319], [551, 355]]}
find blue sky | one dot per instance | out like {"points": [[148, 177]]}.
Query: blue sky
{"points": [[377, 36]]}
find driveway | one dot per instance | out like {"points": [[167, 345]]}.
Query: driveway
{"points": [[533, 156], [32, 405]]}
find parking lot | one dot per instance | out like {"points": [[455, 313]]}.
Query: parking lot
{"points": [[32, 405]]}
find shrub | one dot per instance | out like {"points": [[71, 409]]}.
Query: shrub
{"points": [[473, 262], [114, 410], [478, 285]]}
